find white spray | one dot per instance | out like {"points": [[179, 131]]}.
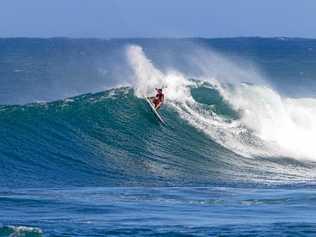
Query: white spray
{"points": [[270, 125]]}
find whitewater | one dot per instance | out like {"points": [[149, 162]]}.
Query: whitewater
{"points": [[269, 124], [81, 154]]}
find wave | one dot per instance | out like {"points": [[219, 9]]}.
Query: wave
{"points": [[112, 139], [268, 124], [218, 131]]}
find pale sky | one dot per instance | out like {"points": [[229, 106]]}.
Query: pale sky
{"points": [[157, 18]]}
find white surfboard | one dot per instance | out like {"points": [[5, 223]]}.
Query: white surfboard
{"points": [[154, 110]]}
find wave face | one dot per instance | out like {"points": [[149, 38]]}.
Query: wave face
{"points": [[226, 124], [111, 138]]}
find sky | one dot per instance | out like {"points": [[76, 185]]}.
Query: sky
{"points": [[157, 18]]}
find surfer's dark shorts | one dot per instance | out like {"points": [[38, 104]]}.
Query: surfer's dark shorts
{"points": [[156, 102]]}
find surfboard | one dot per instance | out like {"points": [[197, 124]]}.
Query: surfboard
{"points": [[154, 110]]}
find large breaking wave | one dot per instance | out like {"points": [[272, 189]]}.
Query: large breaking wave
{"points": [[267, 124], [223, 126]]}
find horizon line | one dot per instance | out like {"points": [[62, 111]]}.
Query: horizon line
{"points": [[161, 38]]}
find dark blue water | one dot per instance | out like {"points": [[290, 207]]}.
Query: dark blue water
{"points": [[207, 211], [236, 157]]}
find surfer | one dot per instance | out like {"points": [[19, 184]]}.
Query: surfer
{"points": [[158, 99]]}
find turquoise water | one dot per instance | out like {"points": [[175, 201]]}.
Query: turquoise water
{"points": [[82, 155]]}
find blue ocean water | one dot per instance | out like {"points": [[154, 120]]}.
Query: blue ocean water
{"points": [[140, 211], [82, 155]]}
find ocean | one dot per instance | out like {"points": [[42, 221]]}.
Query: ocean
{"points": [[81, 154]]}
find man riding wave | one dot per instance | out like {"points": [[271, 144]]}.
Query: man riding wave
{"points": [[158, 99]]}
